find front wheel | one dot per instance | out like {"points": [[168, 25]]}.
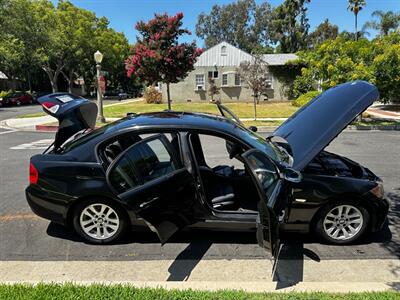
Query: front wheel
{"points": [[342, 222], [99, 221]]}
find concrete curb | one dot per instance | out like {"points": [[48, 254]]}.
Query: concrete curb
{"points": [[252, 287], [215, 274]]}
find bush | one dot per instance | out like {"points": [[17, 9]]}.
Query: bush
{"points": [[4, 93], [305, 98], [151, 95]]}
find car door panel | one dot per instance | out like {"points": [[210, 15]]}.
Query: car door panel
{"points": [[165, 200], [273, 198]]}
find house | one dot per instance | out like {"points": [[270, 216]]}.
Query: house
{"points": [[220, 63]]}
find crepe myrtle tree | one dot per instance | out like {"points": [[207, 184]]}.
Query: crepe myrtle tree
{"points": [[255, 74], [158, 56]]}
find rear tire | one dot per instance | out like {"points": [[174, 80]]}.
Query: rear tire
{"points": [[342, 222], [99, 221]]}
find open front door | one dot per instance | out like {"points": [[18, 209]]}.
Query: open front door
{"points": [[227, 113], [150, 179], [273, 201]]}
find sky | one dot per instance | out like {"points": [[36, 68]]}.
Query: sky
{"points": [[123, 14]]}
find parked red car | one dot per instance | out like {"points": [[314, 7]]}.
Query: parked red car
{"points": [[17, 98]]}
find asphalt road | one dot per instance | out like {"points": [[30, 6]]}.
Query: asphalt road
{"points": [[23, 236]]}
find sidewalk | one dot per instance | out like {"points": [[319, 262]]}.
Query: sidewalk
{"points": [[378, 112], [252, 275]]}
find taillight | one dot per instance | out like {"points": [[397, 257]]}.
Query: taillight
{"points": [[33, 174], [50, 106]]}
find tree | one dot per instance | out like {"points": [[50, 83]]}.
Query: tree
{"points": [[243, 24], [290, 26], [355, 6], [339, 61], [386, 68], [255, 74], [387, 22], [324, 31], [158, 56], [213, 89]]}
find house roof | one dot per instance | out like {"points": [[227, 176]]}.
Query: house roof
{"points": [[233, 56], [214, 57], [279, 59]]}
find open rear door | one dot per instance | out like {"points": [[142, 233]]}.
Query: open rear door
{"points": [[151, 180], [273, 198]]}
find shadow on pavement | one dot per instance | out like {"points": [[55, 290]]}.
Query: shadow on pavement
{"points": [[186, 261]]}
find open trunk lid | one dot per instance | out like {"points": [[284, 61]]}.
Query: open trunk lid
{"points": [[318, 122], [73, 113]]}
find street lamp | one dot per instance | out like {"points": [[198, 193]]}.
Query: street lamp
{"points": [[98, 57]]}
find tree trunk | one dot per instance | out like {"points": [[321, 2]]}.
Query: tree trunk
{"points": [[168, 97], [69, 79], [255, 108], [356, 26], [53, 76]]}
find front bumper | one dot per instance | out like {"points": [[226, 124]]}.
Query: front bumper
{"points": [[381, 209], [45, 207]]}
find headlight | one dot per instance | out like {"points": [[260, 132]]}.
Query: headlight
{"points": [[378, 191]]}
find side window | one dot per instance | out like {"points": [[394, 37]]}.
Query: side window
{"points": [[141, 163], [264, 170], [217, 151]]}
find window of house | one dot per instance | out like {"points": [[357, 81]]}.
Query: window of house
{"points": [[237, 79], [224, 79], [223, 50], [213, 74], [200, 81]]}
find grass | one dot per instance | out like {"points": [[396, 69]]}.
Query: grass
{"points": [[34, 115], [242, 110], [70, 291]]}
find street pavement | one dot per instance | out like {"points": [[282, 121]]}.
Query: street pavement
{"points": [[25, 237]]}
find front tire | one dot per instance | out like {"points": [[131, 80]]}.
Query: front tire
{"points": [[342, 222], [99, 221]]}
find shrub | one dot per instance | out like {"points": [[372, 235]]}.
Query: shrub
{"points": [[4, 93], [152, 95], [305, 98]]}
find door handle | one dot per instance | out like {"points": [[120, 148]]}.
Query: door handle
{"points": [[148, 202]]}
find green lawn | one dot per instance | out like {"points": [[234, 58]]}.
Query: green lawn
{"points": [[242, 110], [121, 292]]}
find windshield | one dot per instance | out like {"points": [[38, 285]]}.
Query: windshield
{"points": [[272, 149]]}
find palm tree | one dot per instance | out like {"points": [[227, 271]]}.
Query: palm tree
{"points": [[387, 21], [355, 6]]}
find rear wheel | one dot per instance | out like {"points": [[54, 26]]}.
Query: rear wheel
{"points": [[99, 221], [342, 222]]}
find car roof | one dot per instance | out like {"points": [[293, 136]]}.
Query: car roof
{"points": [[175, 119]]}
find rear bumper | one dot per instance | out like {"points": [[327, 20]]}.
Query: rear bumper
{"points": [[45, 207]]}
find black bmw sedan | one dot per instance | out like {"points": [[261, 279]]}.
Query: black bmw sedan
{"points": [[170, 170]]}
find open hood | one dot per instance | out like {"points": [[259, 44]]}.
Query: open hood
{"points": [[318, 122], [73, 113]]}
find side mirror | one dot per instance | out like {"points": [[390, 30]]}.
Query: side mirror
{"points": [[292, 175], [253, 128]]}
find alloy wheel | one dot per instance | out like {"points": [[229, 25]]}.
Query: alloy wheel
{"points": [[99, 221], [343, 222]]}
